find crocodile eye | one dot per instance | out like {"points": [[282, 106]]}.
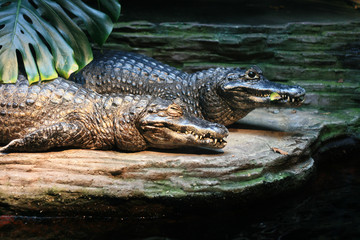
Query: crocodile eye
{"points": [[174, 110], [251, 74]]}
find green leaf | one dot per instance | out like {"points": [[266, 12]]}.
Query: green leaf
{"points": [[9, 68], [112, 8], [47, 36], [19, 33], [98, 24], [70, 31]]}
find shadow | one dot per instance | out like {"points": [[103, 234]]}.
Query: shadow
{"points": [[55, 150], [189, 150], [261, 130], [240, 125], [351, 58], [252, 12], [183, 150]]}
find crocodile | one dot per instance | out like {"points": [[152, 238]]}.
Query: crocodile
{"points": [[63, 114], [222, 95]]}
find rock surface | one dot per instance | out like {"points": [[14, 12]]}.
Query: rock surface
{"points": [[269, 151]]}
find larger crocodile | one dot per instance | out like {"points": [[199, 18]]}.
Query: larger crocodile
{"points": [[221, 95], [62, 113]]}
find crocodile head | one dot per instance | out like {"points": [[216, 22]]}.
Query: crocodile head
{"points": [[249, 89], [166, 125]]}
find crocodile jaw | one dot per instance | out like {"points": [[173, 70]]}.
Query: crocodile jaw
{"points": [[283, 98], [252, 94], [185, 131]]}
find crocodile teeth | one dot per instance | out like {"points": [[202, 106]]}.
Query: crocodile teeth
{"points": [[206, 138]]}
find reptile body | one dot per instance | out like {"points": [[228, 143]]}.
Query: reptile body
{"points": [[222, 95], [62, 113]]}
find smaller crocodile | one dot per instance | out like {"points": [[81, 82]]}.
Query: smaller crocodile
{"points": [[62, 113], [222, 95]]}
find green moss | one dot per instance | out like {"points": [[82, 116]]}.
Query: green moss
{"points": [[163, 188], [348, 116], [349, 124], [239, 186], [205, 65], [330, 86], [299, 52], [248, 172]]}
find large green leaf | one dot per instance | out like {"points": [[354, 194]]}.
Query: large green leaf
{"points": [[48, 36], [111, 8]]}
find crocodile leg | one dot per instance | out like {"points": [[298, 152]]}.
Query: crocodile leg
{"points": [[57, 135]]}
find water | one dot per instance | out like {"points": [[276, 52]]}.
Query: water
{"points": [[328, 207]]}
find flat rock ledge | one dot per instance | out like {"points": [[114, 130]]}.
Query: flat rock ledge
{"points": [[268, 152]]}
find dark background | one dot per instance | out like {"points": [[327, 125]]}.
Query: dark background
{"points": [[311, 43]]}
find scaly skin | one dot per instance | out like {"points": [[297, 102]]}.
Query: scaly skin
{"points": [[62, 113], [222, 95]]}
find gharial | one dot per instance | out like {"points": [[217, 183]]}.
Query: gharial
{"points": [[61, 113], [222, 95]]}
